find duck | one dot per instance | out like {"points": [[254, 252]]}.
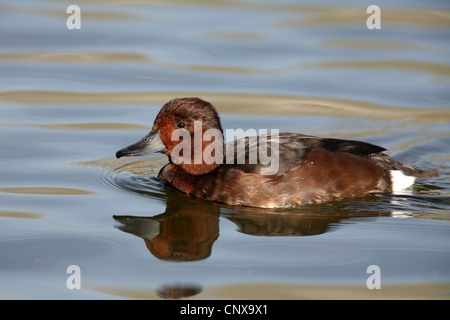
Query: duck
{"points": [[304, 170]]}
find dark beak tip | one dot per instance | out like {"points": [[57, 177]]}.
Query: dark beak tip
{"points": [[151, 143], [124, 153], [119, 154]]}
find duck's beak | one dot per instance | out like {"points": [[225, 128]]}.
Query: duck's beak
{"points": [[151, 143]]}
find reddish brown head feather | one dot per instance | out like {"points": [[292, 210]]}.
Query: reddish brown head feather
{"points": [[188, 111]]}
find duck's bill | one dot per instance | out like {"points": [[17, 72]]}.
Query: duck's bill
{"points": [[151, 143]]}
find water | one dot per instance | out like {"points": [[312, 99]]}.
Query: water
{"points": [[70, 99]]}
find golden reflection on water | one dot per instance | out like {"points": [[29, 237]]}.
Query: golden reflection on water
{"points": [[93, 126], [88, 14], [46, 190], [21, 214], [243, 36], [288, 291], [233, 103], [424, 67], [278, 291], [311, 15], [74, 57], [370, 44], [326, 15], [225, 69]]}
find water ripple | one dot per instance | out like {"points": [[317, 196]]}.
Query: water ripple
{"points": [[138, 176]]}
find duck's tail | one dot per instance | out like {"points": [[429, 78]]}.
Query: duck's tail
{"points": [[402, 175]]}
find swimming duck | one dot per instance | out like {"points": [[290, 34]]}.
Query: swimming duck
{"points": [[308, 169]]}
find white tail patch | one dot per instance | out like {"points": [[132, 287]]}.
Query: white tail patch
{"points": [[400, 181]]}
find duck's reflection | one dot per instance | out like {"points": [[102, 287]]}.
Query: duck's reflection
{"points": [[188, 228], [302, 221], [178, 291], [185, 231]]}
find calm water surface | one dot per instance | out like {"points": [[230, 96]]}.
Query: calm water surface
{"points": [[69, 99]]}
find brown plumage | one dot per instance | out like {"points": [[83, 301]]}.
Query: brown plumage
{"points": [[310, 169]]}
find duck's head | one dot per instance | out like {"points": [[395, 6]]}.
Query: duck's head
{"points": [[182, 120]]}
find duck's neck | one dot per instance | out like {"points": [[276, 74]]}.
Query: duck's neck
{"points": [[198, 169], [200, 161]]}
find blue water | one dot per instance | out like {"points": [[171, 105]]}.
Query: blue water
{"points": [[69, 99]]}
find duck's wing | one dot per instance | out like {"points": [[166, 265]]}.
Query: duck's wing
{"points": [[253, 153], [297, 141]]}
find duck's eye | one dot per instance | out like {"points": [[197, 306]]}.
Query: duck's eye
{"points": [[181, 124]]}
